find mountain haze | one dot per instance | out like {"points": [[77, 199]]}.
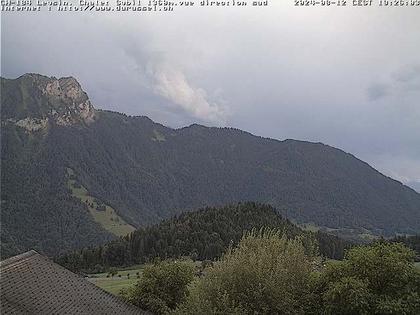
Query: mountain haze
{"points": [[74, 176]]}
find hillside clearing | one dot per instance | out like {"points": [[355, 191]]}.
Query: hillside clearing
{"points": [[103, 214]]}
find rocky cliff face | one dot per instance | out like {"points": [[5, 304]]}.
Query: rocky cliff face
{"points": [[41, 100], [77, 107]]}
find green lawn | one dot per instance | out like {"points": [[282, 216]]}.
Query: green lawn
{"points": [[108, 219], [115, 284]]}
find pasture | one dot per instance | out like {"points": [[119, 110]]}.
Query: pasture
{"points": [[102, 213], [124, 278]]}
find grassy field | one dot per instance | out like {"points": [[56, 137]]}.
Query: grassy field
{"points": [[359, 234], [310, 227], [107, 218], [115, 284]]}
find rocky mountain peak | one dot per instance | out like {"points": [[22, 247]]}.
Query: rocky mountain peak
{"points": [[65, 88], [43, 100]]}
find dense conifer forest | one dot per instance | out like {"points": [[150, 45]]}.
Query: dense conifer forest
{"points": [[202, 235]]}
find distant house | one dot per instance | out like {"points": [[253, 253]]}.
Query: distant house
{"points": [[32, 284]]}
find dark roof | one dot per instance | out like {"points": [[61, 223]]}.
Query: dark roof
{"points": [[32, 284]]}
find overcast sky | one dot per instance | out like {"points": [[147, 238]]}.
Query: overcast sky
{"points": [[347, 77]]}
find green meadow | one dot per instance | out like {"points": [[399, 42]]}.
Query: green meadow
{"points": [[107, 217], [124, 278]]}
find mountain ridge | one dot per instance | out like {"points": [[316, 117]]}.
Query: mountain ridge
{"points": [[147, 172], [415, 185], [193, 125]]}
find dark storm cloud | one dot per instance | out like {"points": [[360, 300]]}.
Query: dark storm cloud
{"points": [[334, 76]]}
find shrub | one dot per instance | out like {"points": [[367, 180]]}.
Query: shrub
{"points": [[265, 274], [375, 279], [162, 287]]}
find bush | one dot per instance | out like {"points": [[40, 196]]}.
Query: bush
{"points": [[162, 287], [348, 295], [376, 279], [265, 274]]}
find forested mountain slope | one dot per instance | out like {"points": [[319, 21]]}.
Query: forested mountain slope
{"points": [[204, 235], [74, 176]]}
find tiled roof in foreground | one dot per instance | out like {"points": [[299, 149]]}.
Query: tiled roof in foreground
{"points": [[32, 284]]}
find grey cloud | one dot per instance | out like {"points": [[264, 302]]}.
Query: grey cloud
{"points": [[403, 80], [407, 74], [407, 79], [377, 91]]}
